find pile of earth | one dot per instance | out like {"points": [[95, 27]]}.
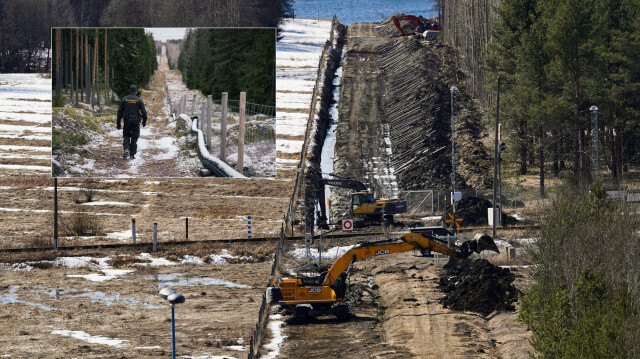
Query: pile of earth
{"points": [[478, 286], [474, 212]]}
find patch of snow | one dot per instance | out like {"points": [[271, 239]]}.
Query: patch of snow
{"points": [[77, 334], [431, 218], [275, 326], [502, 243], [100, 277], [333, 252], [20, 155], [239, 348], [26, 167], [25, 148], [81, 262], [107, 203], [154, 261], [192, 260], [527, 241], [168, 145]]}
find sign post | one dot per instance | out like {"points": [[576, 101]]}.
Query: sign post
{"points": [[347, 224]]}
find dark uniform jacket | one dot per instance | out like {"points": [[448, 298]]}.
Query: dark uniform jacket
{"points": [[132, 109]]}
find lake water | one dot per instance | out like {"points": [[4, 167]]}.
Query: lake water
{"points": [[351, 11]]}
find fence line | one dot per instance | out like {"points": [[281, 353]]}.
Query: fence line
{"points": [[291, 213], [214, 121], [258, 334]]}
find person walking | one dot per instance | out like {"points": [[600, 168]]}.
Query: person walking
{"points": [[131, 109]]}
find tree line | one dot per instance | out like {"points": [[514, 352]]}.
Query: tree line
{"points": [[585, 300], [25, 25], [230, 60], [89, 62], [556, 59]]}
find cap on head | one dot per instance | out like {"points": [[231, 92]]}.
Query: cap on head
{"points": [[133, 88]]}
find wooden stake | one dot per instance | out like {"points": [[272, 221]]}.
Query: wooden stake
{"points": [[243, 104]]}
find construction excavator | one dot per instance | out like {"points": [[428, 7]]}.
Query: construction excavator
{"points": [[324, 292], [363, 202], [428, 28]]}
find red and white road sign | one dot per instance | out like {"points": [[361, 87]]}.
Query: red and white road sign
{"points": [[347, 224]]}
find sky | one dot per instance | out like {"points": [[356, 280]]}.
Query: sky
{"points": [[166, 33]]}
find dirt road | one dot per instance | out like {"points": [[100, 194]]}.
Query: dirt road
{"points": [[399, 316], [362, 147]]}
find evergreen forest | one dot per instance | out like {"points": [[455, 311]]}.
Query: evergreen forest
{"points": [[89, 62], [25, 25], [231, 60], [559, 60], [569, 84]]}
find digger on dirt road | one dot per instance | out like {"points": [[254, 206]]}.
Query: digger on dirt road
{"points": [[325, 292], [132, 110]]}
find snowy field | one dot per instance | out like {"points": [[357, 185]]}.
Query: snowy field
{"points": [[297, 57], [25, 124]]}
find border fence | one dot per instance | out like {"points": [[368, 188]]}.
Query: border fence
{"points": [[258, 334], [290, 217], [232, 127]]}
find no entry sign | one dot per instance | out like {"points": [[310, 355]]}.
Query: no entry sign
{"points": [[347, 224]]}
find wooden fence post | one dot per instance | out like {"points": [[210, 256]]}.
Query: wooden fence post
{"points": [[209, 115], [201, 116], [243, 104], [193, 107], [223, 127]]}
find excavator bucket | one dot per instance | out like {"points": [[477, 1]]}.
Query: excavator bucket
{"points": [[485, 243], [481, 242]]}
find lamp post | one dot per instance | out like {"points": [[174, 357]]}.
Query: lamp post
{"points": [[173, 298], [594, 123]]}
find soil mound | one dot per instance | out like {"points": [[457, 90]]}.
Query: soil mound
{"points": [[474, 212], [478, 286]]}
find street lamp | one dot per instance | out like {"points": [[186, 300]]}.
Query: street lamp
{"points": [[594, 123], [173, 298]]}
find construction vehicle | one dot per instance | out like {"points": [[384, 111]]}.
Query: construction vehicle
{"points": [[363, 202], [428, 28], [325, 292]]}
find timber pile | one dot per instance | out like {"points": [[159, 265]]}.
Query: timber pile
{"points": [[417, 104]]}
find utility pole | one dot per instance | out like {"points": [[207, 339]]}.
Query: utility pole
{"points": [[594, 124], [495, 160], [453, 90]]}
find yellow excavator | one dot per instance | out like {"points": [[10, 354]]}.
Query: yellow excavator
{"points": [[363, 202], [325, 293]]}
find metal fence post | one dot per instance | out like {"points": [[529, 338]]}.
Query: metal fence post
{"points": [[243, 104], [133, 230], [223, 126], [155, 237]]}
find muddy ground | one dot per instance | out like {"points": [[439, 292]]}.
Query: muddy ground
{"points": [[217, 209], [45, 311], [400, 316]]}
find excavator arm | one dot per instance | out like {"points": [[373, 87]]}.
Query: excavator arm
{"points": [[330, 289], [416, 22], [409, 242]]}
